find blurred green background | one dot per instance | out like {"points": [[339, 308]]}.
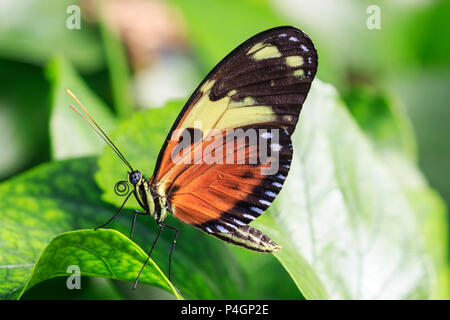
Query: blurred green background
{"points": [[140, 54]]}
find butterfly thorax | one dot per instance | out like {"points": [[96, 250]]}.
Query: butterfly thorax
{"points": [[149, 199]]}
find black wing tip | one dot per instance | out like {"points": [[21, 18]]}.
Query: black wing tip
{"points": [[286, 28], [282, 28]]}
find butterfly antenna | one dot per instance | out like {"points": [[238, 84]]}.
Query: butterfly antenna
{"points": [[97, 128]]}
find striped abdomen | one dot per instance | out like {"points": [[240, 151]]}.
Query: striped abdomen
{"points": [[250, 238]]}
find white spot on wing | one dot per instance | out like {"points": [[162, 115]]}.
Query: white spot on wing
{"points": [[222, 229], [270, 194], [293, 39], [282, 35], [208, 229], [239, 222], [304, 48], [277, 184], [265, 202], [281, 177], [248, 216], [275, 147], [231, 225], [257, 210], [266, 135]]}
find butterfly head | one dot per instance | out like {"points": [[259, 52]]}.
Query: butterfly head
{"points": [[134, 177]]}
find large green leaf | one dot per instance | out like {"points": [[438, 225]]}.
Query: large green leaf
{"points": [[432, 216], [70, 135], [384, 121], [102, 253], [347, 227], [62, 196], [350, 217]]}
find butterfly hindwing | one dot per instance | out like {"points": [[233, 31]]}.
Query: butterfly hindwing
{"points": [[259, 87]]}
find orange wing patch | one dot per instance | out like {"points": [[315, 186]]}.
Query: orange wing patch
{"points": [[236, 192]]}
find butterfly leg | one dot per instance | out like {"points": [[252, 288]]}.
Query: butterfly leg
{"points": [[161, 227], [115, 215], [132, 224], [136, 212], [173, 247]]}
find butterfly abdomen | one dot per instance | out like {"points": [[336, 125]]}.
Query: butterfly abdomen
{"points": [[250, 238]]}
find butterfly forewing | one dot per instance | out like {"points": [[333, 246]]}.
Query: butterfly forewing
{"points": [[258, 88]]}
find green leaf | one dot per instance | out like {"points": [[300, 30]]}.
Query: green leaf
{"points": [[35, 31], [38, 205], [101, 253], [47, 201], [432, 215], [344, 211], [62, 196], [70, 135], [92, 289], [301, 272], [386, 123]]}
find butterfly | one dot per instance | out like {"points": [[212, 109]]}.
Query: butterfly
{"points": [[229, 151]]}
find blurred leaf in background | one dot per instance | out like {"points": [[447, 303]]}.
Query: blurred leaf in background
{"points": [[35, 31], [217, 27], [383, 119], [30, 34], [23, 97], [70, 135]]}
